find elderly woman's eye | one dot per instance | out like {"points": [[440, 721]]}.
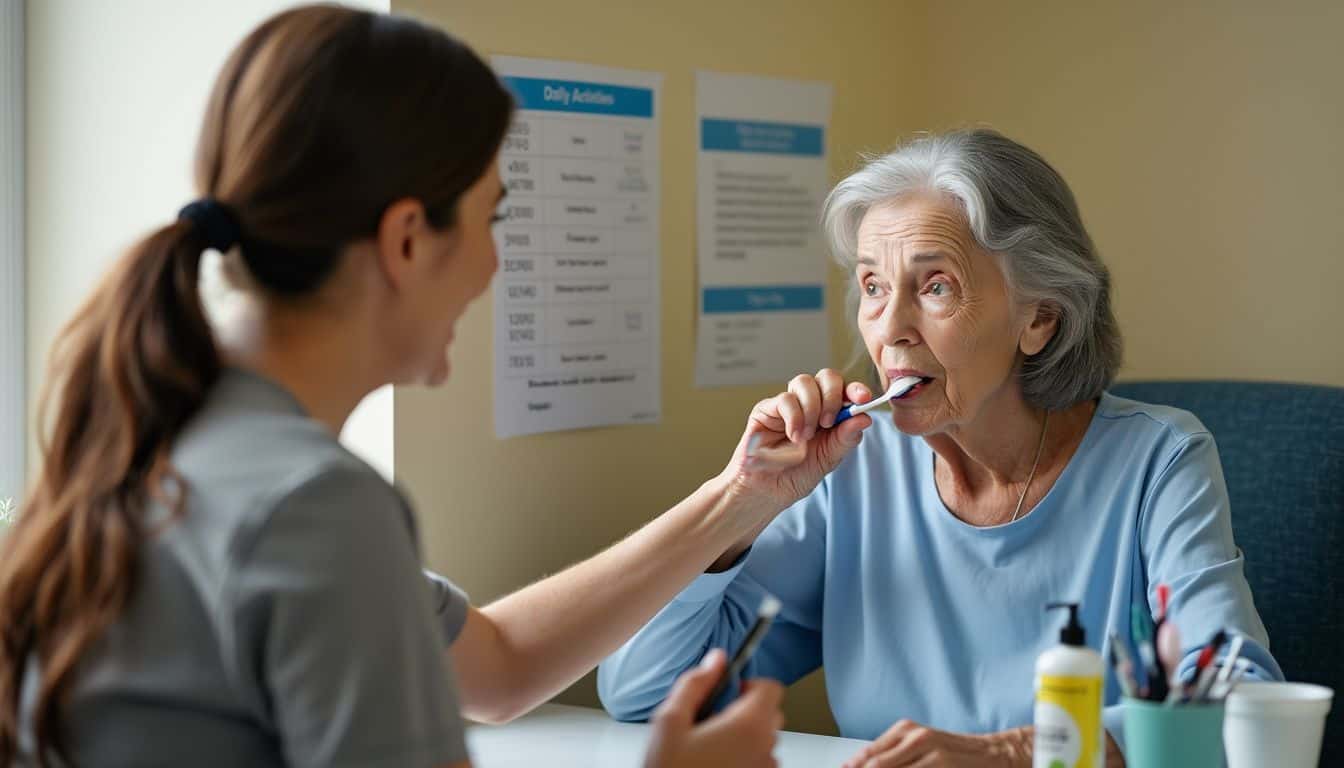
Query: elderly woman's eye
{"points": [[870, 288], [939, 289]]}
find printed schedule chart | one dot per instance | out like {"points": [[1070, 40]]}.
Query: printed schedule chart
{"points": [[761, 179], [576, 299]]}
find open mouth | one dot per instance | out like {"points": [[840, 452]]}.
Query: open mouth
{"points": [[924, 381]]}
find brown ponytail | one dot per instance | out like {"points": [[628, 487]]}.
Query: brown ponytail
{"points": [[131, 367], [321, 118]]}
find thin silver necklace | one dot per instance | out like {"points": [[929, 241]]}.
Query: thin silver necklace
{"points": [[1039, 447]]}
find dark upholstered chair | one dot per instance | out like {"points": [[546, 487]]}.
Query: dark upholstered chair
{"points": [[1282, 448]]}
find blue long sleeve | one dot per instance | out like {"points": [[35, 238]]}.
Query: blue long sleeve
{"points": [[917, 615], [717, 610], [1185, 529]]}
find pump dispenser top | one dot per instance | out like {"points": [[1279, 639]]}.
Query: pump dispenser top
{"points": [[1073, 632]]}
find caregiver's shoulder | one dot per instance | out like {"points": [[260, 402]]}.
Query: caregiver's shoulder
{"points": [[248, 450]]}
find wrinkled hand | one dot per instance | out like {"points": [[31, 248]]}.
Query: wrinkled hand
{"points": [[908, 743], [743, 734], [791, 440]]}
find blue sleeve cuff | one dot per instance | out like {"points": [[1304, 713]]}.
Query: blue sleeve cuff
{"points": [[708, 586]]}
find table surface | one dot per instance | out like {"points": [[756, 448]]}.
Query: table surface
{"points": [[561, 736]]}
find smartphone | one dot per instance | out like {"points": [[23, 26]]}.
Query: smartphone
{"points": [[765, 616]]}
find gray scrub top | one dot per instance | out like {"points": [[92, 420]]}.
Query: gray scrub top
{"points": [[283, 620]]}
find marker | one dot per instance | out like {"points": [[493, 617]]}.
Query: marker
{"points": [[1163, 601], [898, 389], [1124, 667], [1169, 653], [1204, 666], [765, 615], [1143, 640]]}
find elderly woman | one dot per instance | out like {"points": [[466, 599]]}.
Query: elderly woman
{"points": [[916, 568]]}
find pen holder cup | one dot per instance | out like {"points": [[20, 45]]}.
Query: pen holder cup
{"points": [[1182, 736]]}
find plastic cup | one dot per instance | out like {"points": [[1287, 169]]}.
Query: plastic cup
{"points": [[1275, 724], [1186, 736]]}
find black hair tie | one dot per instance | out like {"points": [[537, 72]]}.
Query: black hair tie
{"points": [[214, 220]]}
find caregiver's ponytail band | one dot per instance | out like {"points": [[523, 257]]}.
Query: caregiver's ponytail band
{"points": [[214, 220]]}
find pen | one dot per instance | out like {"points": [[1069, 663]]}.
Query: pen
{"points": [[1225, 673], [1221, 689], [1204, 684], [1243, 666], [764, 616]]}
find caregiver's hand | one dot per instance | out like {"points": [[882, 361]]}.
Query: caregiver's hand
{"points": [[910, 744], [789, 445], [743, 734]]}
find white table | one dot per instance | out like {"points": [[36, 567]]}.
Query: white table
{"points": [[562, 736]]}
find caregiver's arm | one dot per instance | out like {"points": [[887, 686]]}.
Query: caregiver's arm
{"points": [[524, 648]]}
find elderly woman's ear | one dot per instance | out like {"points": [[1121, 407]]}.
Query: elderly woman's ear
{"points": [[1040, 329]]}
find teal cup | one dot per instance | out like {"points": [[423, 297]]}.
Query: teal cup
{"points": [[1180, 736]]}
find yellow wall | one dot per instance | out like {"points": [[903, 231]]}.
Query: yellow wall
{"points": [[498, 514], [1203, 141]]}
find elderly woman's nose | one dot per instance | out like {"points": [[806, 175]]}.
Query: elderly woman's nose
{"points": [[896, 324]]}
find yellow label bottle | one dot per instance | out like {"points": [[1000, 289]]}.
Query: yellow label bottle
{"points": [[1068, 701]]}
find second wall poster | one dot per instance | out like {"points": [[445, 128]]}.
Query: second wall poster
{"points": [[761, 180]]}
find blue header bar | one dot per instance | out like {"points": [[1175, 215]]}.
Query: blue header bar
{"points": [[765, 298], [766, 138], [550, 95]]}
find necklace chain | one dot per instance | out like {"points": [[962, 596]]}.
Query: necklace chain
{"points": [[1039, 447]]}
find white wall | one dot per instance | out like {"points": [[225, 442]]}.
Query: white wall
{"points": [[12, 322], [116, 94], [368, 431]]}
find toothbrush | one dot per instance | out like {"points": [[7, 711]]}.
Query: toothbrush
{"points": [[898, 389]]}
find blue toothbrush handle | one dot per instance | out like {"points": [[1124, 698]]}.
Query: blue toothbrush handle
{"points": [[845, 413]]}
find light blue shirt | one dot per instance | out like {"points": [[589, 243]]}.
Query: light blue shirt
{"points": [[918, 615]]}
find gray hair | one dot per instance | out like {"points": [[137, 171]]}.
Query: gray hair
{"points": [[1020, 209]]}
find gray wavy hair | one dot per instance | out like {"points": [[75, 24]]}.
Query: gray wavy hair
{"points": [[1020, 209]]}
